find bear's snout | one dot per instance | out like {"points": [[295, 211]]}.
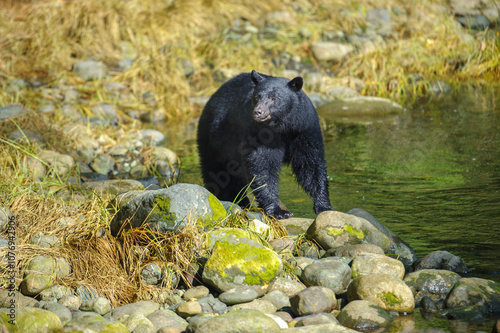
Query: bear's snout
{"points": [[261, 112]]}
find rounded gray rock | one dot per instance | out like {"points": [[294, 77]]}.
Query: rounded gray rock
{"points": [[313, 300], [240, 294]]}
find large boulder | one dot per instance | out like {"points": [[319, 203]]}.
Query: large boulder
{"points": [[364, 315], [371, 263], [441, 260], [475, 291], [242, 321], [434, 283], [241, 261], [387, 291], [329, 272], [167, 209], [333, 229]]}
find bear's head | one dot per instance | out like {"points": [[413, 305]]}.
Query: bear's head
{"points": [[273, 98]]}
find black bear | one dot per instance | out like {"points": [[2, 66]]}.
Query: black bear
{"points": [[251, 126]]}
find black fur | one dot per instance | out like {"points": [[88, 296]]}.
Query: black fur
{"points": [[251, 126]]}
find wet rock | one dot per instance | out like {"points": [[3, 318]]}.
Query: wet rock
{"points": [[90, 70], [241, 261], [196, 293], [330, 272], [47, 241], [387, 291], [144, 308], [70, 301], [151, 137], [441, 260], [431, 282], [99, 305], [257, 304], [313, 300], [398, 247], [12, 111], [168, 209], [353, 250], [316, 319], [360, 106], [277, 298], [332, 229], [331, 51], [94, 322], [59, 310], [188, 309], [243, 320], [34, 320], [475, 291], [364, 315], [151, 274], [114, 186], [369, 263], [167, 318], [287, 286], [55, 292], [137, 323], [210, 304], [61, 164], [240, 294]]}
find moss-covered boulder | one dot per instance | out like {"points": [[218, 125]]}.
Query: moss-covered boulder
{"points": [[241, 261], [243, 320], [434, 283], [364, 315], [371, 263], [475, 291], [167, 209], [333, 229], [30, 320], [213, 236], [42, 272], [95, 322], [387, 291]]}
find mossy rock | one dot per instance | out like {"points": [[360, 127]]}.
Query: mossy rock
{"points": [[475, 291], [243, 320], [332, 229], [213, 236], [30, 320], [241, 261], [168, 209]]}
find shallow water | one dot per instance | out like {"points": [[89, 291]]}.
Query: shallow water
{"points": [[431, 174]]}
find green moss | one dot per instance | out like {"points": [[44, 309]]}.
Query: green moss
{"points": [[219, 212], [259, 265], [389, 298], [161, 210], [335, 231], [354, 232]]}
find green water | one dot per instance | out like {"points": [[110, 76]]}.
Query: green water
{"points": [[431, 174]]}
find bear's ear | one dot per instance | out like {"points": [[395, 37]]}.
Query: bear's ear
{"points": [[296, 84], [256, 78]]}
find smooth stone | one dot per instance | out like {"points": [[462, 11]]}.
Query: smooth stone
{"points": [[240, 294], [61, 163], [59, 310], [287, 286], [138, 323], [441, 260], [364, 315], [353, 250], [210, 304], [20, 300], [243, 320], [144, 308], [167, 318], [151, 274], [277, 298], [189, 309], [94, 322], [11, 111], [313, 300], [316, 319], [331, 273], [70, 301], [90, 70], [331, 51], [257, 304], [103, 164], [387, 291], [46, 241], [30, 319], [99, 305], [152, 137], [196, 293], [369, 263], [106, 112]]}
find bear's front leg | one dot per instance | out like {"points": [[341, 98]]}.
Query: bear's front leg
{"points": [[264, 165]]}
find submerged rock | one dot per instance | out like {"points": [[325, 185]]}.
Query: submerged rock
{"points": [[431, 282], [441, 260], [167, 209], [475, 291], [240, 261]]}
